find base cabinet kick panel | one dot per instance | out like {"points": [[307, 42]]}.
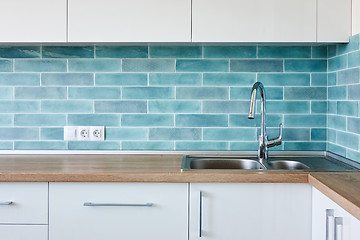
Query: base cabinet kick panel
{"points": [[251, 211], [114, 211]]}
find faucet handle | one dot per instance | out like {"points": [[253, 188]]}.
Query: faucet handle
{"points": [[276, 141]]}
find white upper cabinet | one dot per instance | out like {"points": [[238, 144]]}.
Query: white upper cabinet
{"points": [[254, 21], [33, 21], [129, 21]]}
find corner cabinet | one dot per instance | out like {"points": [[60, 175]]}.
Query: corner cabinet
{"points": [[129, 21], [252, 211], [114, 211], [33, 21]]}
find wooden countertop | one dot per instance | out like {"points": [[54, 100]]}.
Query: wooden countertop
{"points": [[343, 188]]}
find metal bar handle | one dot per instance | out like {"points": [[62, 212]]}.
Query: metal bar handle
{"points": [[339, 228], [200, 213], [90, 204], [6, 203], [330, 224]]}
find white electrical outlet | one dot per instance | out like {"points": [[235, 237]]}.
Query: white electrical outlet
{"points": [[84, 133]]}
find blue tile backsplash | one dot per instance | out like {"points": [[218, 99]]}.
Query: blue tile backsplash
{"points": [[157, 97]]}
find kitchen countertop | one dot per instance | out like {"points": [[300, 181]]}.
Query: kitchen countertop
{"points": [[342, 187]]}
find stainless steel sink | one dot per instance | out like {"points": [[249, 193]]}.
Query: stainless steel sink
{"points": [[225, 163], [288, 165]]}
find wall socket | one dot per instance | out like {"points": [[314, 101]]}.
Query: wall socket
{"points": [[84, 133]]}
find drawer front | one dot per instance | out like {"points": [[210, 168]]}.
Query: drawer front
{"points": [[22, 232], [118, 211], [23, 203]]}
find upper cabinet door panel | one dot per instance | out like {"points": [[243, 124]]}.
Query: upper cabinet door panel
{"points": [[33, 21], [129, 21], [254, 21]]}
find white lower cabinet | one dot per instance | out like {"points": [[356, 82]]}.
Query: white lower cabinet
{"points": [[250, 211], [330, 221], [114, 211], [22, 232]]}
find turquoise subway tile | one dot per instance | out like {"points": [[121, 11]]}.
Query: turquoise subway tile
{"points": [[201, 120], [147, 120], [174, 134], [68, 52], [348, 76], [108, 120], [126, 134], [284, 52], [245, 92], [86, 145], [52, 133], [354, 92], [202, 93], [331, 51], [175, 79], [305, 120], [6, 93], [244, 146], [40, 92], [202, 65], [230, 134], [95, 65], [6, 120], [287, 107], [318, 134], [336, 149], [148, 93], [67, 79], [174, 106], [353, 59], [201, 146], [226, 106], [121, 51], [331, 135], [19, 106], [353, 45], [242, 120], [305, 146], [336, 122], [20, 52], [94, 92], [120, 106], [337, 63], [353, 125], [353, 155], [6, 145], [348, 108], [20, 79], [305, 65], [19, 134], [332, 78], [148, 65], [319, 51], [230, 51], [40, 145], [348, 140], [40, 65], [39, 120], [256, 65], [305, 93], [289, 134], [319, 79], [284, 79], [151, 146], [175, 52], [64, 106], [319, 107], [6, 65], [229, 79], [337, 93], [120, 79]]}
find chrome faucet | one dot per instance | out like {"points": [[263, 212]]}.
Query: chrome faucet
{"points": [[264, 143]]}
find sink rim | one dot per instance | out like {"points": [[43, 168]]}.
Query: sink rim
{"points": [[208, 161]]}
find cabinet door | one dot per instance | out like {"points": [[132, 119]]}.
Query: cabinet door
{"points": [[129, 21], [251, 211], [106, 218], [254, 21], [33, 21], [21, 232]]}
